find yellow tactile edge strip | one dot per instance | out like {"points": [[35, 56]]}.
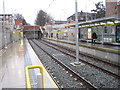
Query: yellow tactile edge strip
{"points": [[53, 84]]}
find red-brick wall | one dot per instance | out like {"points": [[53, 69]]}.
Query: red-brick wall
{"points": [[111, 8], [19, 23]]}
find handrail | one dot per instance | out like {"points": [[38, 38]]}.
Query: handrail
{"points": [[28, 84]]}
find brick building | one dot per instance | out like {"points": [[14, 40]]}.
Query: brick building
{"points": [[19, 24], [81, 17], [6, 21], [112, 8]]}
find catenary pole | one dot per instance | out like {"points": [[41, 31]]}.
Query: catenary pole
{"points": [[5, 36], [77, 43]]}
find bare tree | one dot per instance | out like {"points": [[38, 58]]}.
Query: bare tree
{"points": [[100, 10], [25, 23], [18, 16], [43, 18]]}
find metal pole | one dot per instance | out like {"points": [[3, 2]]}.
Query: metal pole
{"points": [[77, 43], [86, 9], [68, 31], [13, 29], [34, 32], [102, 35], [5, 37]]}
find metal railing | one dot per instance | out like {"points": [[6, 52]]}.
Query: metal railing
{"points": [[28, 83]]}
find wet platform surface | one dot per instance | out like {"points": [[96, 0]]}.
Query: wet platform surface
{"points": [[12, 66], [13, 61]]}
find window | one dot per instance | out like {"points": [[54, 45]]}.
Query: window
{"points": [[118, 33], [89, 33], [82, 18], [105, 29], [112, 29], [1, 16], [6, 17]]}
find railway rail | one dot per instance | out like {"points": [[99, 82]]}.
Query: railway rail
{"points": [[73, 73], [56, 58], [65, 49], [85, 54]]}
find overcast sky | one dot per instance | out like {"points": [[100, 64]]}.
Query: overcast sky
{"points": [[59, 9]]}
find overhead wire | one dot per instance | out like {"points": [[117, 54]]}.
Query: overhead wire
{"points": [[92, 1], [50, 5]]}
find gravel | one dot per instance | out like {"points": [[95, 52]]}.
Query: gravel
{"points": [[97, 63], [60, 75], [98, 78]]}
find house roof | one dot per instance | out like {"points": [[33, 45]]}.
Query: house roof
{"points": [[82, 14]]}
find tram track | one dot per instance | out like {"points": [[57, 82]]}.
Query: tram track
{"points": [[69, 70], [106, 61], [63, 50], [45, 65], [93, 75]]}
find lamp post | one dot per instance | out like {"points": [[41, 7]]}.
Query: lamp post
{"points": [[77, 43]]}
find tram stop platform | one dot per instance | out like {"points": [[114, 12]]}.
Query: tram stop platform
{"points": [[13, 61], [109, 53]]}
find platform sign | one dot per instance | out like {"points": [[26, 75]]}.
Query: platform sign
{"points": [[118, 33], [67, 26], [89, 33]]}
